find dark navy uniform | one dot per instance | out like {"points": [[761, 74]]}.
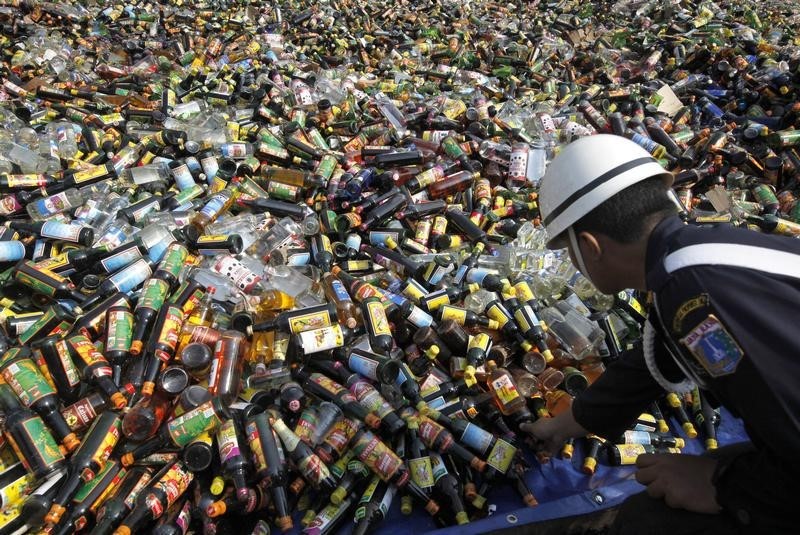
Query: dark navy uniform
{"points": [[727, 315]]}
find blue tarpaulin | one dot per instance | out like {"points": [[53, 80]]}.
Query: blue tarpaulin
{"points": [[560, 487]]}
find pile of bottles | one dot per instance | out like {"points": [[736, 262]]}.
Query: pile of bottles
{"points": [[260, 258]]}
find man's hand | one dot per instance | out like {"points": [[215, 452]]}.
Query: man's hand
{"points": [[683, 481], [551, 433]]}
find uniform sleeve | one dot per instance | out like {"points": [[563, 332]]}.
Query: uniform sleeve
{"points": [[609, 406], [744, 338]]}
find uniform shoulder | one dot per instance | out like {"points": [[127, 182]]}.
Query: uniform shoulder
{"points": [[694, 235]]}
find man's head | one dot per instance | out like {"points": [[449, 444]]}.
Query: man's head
{"points": [[601, 197]]}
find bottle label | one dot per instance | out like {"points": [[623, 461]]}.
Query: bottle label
{"points": [[370, 398], [242, 277], [214, 206], [498, 313], [629, 452], [362, 365], [228, 442], [369, 492], [501, 456], [289, 439], [372, 452], [53, 204], [11, 251], [174, 483], [257, 451], [185, 517], [183, 177], [10, 205], [174, 260], [505, 390], [339, 436], [187, 426], [170, 332], [421, 471], [153, 294], [338, 290], [283, 192], [26, 181], [27, 381], [477, 438], [92, 173], [334, 388], [437, 301], [313, 469], [379, 322], [310, 321], [90, 356], [79, 415], [458, 315], [92, 483], [307, 424], [429, 432], [419, 318], [437, 466], [637, 437], [38, 285], [51, 264], [132, 276], [104, 449], [130, 499], [39, 436], [12, 493], [67, 365], [321, 339]]}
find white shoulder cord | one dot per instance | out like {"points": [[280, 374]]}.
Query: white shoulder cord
{"points": [[648, 348]]}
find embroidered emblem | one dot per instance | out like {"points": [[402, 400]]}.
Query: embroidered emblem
{"points": [[687, 308], [714, 347]]}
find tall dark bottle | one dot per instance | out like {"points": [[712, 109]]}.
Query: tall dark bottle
{"points": [[117, 507], [33, 390], [270, 464]]}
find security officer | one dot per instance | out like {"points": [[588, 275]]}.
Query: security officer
{"points": [[726, 303]]}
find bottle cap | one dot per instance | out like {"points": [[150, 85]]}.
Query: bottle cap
{"points": [[478, 502], [462, 518], [71, 442], [406, 505], [689, 429], [589, 465], [118, 400], [711, 444], [680, 443], [548, 355], [216, 509], [127, 459], [567, 451], [136, 347], [530, 501], [217, 486], [432, 507], [308, 518], [284, 523], [338, 495], [55, 514], [122, 530]]}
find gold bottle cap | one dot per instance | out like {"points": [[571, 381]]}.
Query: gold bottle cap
{"points": [[530, 500], [284, 523], [217, 486], [338, 495], [689, 429], [478, 464], [122, 530], [711, 444], [308, 518], [406, 505], [432, 507], [118, 400], [548, 355], [216, 509], [589, 466], [71, 442], [462, 518], [136, 347], [372, 420], [55, 514], [478, 502], [680, 443]]}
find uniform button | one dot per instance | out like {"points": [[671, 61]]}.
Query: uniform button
{"points": [[743, 516]]}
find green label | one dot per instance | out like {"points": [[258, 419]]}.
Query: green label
{"points": [[119, 331], [26, 336], [186, 427], [153, 294], [27, 381], [283, 192], [43, 441], [92, 484], [31, 282], [174, 259]]}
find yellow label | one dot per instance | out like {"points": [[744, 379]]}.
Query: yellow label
{"points": [[413, 292], [524, 291], [501, 456], [438, 302], [495, 313], [212, 238], [504, 389], [522, 320], [380, 323], [629, 452], [89, 174], [453, 313], [307, 322]]}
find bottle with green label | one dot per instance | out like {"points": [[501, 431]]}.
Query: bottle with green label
{"points": [[373, 506], [29, 437], [181, 430], [33, 390], [88, 461]]}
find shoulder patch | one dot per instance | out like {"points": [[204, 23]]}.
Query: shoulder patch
{"points": [[687, 308], [714, 347]]}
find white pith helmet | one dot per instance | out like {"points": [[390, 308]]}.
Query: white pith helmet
{"points": [[585, 174]]}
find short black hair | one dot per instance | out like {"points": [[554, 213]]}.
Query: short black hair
{"points": [[625, 216]]}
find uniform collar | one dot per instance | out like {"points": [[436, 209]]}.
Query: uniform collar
{"points": [[657, 249]]}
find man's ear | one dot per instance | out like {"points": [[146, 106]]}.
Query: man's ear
{"points": [[590, 245]]}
